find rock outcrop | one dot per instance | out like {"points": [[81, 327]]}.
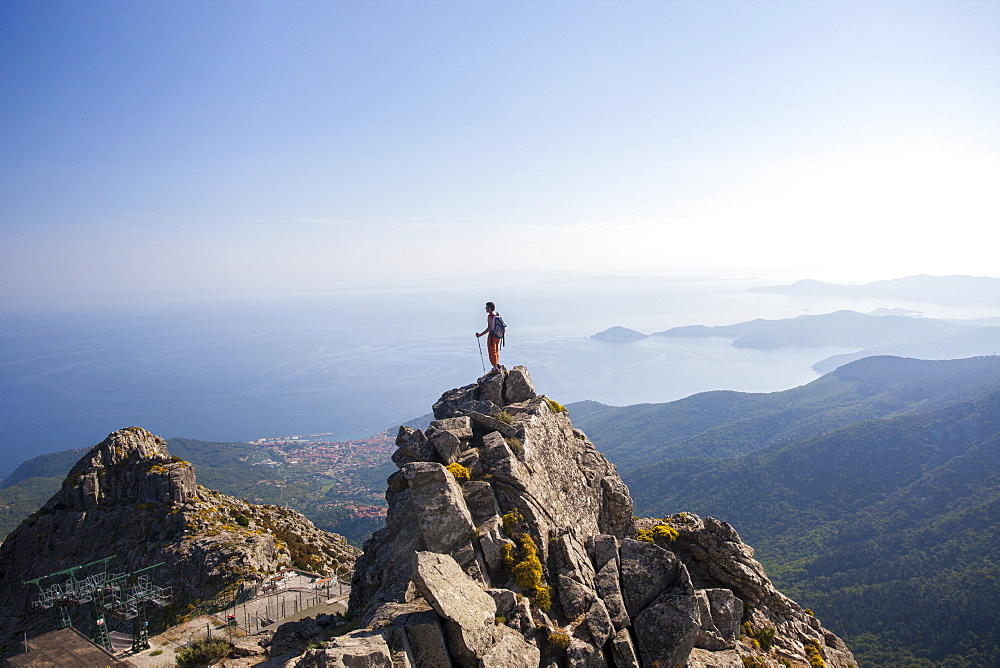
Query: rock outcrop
{"points": [[128, 498], [510, 541]]}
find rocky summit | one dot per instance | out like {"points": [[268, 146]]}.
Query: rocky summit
{"points": [[510, 541], [130, 500]]}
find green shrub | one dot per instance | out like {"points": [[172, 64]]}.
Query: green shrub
{"points": [[747, 635], [507, 554], [559, 638], [204, 652], [761, 638], [510, 520], [515, 444], [765, 636], [504, 417]]}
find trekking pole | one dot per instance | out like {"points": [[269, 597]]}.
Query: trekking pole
{"points": [[480, 344]]}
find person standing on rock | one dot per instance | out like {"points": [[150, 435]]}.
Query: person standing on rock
{"points": [[493, 341]]}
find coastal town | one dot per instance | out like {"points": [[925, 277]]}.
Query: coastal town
{"points": [[346, 468]]}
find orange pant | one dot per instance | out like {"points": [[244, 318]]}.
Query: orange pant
{"points": [[493, 345]]}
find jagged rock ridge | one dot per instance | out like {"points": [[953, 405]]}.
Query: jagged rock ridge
{"points": [[129, 498], [510, 541]]}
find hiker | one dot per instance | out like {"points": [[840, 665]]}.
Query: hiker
{"points": [[494, 327]]}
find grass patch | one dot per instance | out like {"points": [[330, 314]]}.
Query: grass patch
{"points": [[504, 417]]}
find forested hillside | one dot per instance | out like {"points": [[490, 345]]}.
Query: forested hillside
{"points": [[31, 484], [887, 527], [725, 424]]}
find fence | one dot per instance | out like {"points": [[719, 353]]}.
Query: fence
{"points": [[253, 608]]}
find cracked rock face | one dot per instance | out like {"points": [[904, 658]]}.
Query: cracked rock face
{"points": [[536, 559], [128, 498]]}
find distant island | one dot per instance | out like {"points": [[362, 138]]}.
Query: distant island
{"points": [[944, 290], [619, 334], [885, 331], [848, 329]]}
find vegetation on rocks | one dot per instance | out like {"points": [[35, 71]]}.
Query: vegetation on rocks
{"points": [[555, 406], [559, 638], [460, 472], [204, 652], [813, 653], [527, 571], [510, 521], [663, 530], [515, 444], [762, 637], [504, 417]]}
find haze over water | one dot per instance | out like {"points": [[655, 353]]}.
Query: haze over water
{"points": [[355, 364], [243, 219]]}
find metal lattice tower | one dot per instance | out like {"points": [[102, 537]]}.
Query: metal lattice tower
{"points": [[124, 595], [72, 592], [132, 605]]}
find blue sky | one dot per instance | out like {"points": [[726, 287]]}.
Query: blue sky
{"points": [[183, 150]]}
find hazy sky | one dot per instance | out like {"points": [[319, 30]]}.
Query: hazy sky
{"points": [[155, 150]]}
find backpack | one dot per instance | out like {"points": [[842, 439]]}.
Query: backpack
{"points": [[499, 327]]}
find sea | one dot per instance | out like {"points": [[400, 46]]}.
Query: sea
{"points": [[353, 362]]}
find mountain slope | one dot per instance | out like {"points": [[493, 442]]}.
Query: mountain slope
{"points": [[723, 424], [227, 467], [887, 527], [23, 498], [842, 328], [130, 500], [980, 341], [882, 332], [54, 464], [934, 289], [245, 470]]}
